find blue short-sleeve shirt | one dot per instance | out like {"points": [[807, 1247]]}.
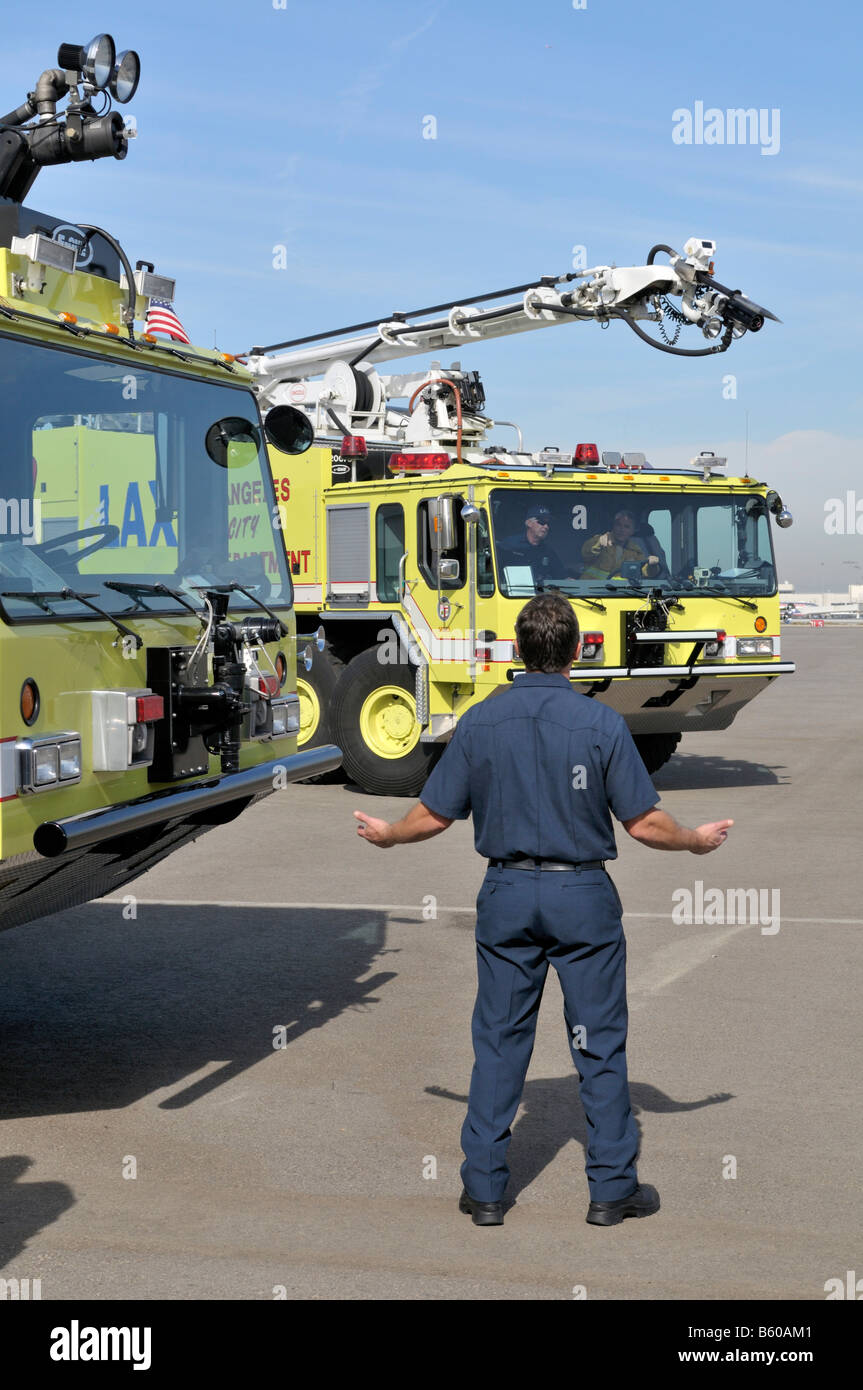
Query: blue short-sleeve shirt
{"points": [[541, 767]]}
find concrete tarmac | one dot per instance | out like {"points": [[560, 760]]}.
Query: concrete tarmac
{"points": [[156, 1144]]}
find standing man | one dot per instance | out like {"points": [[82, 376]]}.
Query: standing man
{"points": [[542, 767]]}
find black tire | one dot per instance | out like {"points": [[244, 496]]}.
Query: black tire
{"points": [[656, 749], [316, 689], [397, 775]]}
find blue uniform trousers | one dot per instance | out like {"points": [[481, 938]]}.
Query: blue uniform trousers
{"points": [[526, 918]]}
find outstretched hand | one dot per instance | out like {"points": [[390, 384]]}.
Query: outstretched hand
{"points": [[377, 832], [711, 836]]}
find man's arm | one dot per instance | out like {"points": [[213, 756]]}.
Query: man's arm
{"points": [[658, 830], [419, 824], [595, 544]]}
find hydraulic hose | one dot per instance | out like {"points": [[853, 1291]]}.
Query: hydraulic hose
{"points": [[723, 344], [660, 246], [124, 261]]}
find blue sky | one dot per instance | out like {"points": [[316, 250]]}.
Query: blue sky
{"points": [[303, 127]]}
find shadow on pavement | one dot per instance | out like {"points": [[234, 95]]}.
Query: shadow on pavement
{"points": [[552, 1116], [691, 772], [25, 1207], [96, 1011]]}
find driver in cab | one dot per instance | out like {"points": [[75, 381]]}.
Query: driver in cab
{"points": [[531, 548], [605, 554]]}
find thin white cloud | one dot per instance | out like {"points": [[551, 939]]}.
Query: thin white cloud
{"points": [[354, 100]]}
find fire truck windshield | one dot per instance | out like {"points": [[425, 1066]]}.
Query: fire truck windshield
{"points": [[601, 542], [113, 471]]}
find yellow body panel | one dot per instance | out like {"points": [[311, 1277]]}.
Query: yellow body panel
{"points": [[92, 477]]}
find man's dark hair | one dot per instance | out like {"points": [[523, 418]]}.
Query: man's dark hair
{"points": [[546, 630]]}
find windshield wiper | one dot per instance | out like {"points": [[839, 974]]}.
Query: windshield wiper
{"points": [[630, 590], [133, 589], [45, 596], [571, 592], [719, 593]]}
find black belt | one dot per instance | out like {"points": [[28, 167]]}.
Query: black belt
{"points": [[527, 863]]}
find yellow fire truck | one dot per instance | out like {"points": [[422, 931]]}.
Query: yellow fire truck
{"points": [[146, 609], [416, 537]]}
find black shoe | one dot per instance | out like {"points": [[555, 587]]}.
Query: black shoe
{"points": [[483, 1213], [644, 1201]]}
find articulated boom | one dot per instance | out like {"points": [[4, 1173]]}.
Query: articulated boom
{"points": [[348, 396]]}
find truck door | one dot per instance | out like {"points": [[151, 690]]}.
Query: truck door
{"points": [[441, 596]]}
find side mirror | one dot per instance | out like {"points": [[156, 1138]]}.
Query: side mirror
{"points": [[288, 429], [232, 442], [442, 523], [447, 570]]}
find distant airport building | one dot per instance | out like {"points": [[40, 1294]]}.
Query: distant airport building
{"points": [[836, 606]]}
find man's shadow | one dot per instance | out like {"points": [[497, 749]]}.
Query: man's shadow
{"points": [[553, 1115], [26, 1207]]}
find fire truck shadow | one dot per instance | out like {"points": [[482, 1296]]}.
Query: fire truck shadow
{"points": [[97, 1012], [26, 1207], [694, 772]]}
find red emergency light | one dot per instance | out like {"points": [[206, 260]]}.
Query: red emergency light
{"points": [[592, 645], [586, 453], [269, 686], [353, 447], [418, 463]]}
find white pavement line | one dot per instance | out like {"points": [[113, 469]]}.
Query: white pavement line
{"points": [[252, 902], [811, 921], [417, 907], [669, 963]]}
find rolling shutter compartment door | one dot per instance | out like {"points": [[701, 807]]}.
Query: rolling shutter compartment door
{"points": [[348, 551]]}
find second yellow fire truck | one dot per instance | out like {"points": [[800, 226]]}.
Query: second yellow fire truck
{"points": [[415, 532]]}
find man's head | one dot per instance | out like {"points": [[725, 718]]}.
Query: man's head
{"points": [[623, 525], [546, 632], [537, 520]]}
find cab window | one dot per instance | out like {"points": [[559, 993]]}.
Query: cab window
{"points": [[427, 554], [389, 549], [484, 562]]}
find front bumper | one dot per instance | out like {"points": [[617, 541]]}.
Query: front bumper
{"points": [[192, 804], [679, 699]]}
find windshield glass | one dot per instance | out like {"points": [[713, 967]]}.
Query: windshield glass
{"points": [[585, 542], [113, 472]]}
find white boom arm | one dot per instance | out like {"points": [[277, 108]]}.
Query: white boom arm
{"points": [[599, 294]]}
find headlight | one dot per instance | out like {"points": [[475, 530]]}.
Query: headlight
{"points": [[755, 646], [70, 761], [286, 716], [46, 766], [54, 761]]}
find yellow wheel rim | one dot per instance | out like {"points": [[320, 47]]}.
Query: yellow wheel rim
{"points": [[388, 722], [310, 712]]}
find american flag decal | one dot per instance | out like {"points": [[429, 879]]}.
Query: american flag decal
{"points": [[162, 319]]}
